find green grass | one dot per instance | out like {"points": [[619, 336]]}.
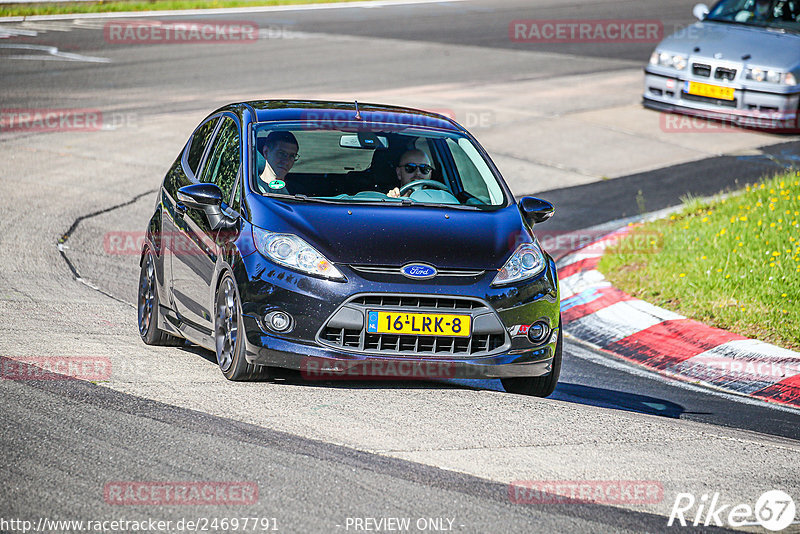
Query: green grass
{"points": [[733, 262], [101, 6]]}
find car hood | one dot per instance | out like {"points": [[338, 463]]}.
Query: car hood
{"points": [[395, 235], [767, 48]]}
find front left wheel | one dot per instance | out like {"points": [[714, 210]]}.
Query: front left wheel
{"points": [[229, 335], [148, 306]]}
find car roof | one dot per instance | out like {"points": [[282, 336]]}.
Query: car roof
{"points": [[329, 112]]}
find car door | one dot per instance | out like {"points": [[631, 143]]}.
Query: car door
{"points": [[181, 174], [193, 268]]}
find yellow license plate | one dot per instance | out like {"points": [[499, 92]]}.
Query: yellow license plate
{"points": [[419, 324], [710, 91]]}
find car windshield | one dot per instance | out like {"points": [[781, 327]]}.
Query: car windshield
{"points": [[783, 14], [382, 163]]}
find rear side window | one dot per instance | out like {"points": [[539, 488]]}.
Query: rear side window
{"points": [[199, 141], [222, 165]]}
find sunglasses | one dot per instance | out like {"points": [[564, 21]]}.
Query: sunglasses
{"points": [[423, 168]]}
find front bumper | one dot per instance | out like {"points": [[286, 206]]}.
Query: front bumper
{"points": [[750, 108], [312, 303]]}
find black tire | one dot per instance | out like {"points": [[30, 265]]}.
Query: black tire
{"points": [[148, 306], [229, 334], [538, 386]]}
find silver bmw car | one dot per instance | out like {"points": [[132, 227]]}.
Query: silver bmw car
{"points": [[739, 63]]}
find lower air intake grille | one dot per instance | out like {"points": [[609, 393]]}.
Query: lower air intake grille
{"points": [[354, 337]]}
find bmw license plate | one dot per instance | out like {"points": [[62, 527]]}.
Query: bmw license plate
{"points": [[419, 324], [709, 91]]}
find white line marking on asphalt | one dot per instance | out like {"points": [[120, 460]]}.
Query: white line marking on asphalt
{"points": [[54, 54], [227, 11], [49, 26], [13, 31]]}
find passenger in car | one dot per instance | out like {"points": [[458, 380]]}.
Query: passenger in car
{"points": [[762, 11], [413, 165], [280, 149]]}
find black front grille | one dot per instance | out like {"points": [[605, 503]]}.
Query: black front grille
{"points": [[414, 301], [434, 346], [356, 338], [725, 74], [701, 69], [396, 271]]}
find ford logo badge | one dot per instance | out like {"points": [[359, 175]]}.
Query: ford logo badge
{"points": [[418, 271]]}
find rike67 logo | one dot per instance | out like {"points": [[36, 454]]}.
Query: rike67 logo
{"points": [[774, 510]]}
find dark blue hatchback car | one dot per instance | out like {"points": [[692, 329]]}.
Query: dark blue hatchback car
{"points": [[347, 240]]}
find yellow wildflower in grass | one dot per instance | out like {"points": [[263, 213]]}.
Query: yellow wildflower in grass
{"points": [[730, 259]]}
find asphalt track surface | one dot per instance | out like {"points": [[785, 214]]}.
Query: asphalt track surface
{"points": [[322, 453]]}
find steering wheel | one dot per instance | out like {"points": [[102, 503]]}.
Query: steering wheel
{"points": [[419, 184]]}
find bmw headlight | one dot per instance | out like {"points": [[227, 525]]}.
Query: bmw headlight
{"points": [[291, 251], [672, 61], [770, 76], [526, 262]]}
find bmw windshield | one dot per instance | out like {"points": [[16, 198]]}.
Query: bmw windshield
{"points": [[382, 164], [781, 14]]}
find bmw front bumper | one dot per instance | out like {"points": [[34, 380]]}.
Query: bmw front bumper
{"points": [[750, 108]]}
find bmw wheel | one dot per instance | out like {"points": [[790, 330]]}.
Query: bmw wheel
{"points": [[148, 306], [229, 334], [538, 386]]}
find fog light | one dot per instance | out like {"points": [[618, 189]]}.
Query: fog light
{"points": [[278, 321], [538, 332]]}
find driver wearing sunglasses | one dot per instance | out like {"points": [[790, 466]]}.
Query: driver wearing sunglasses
{"points": [[414, 165]]}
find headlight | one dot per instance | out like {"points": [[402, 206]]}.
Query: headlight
{"points": [[770, 76], [527, 261], [665, 59], [291, 251]]}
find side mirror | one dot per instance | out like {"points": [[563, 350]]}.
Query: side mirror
{"points": [[207, 197], [536, 210], [700, 11], [200, 196]]}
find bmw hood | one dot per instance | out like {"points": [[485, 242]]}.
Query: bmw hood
{"points": [[766, 48], [396, 235]]}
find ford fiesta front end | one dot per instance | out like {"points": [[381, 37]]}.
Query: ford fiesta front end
{"points": [[352, 241]]}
